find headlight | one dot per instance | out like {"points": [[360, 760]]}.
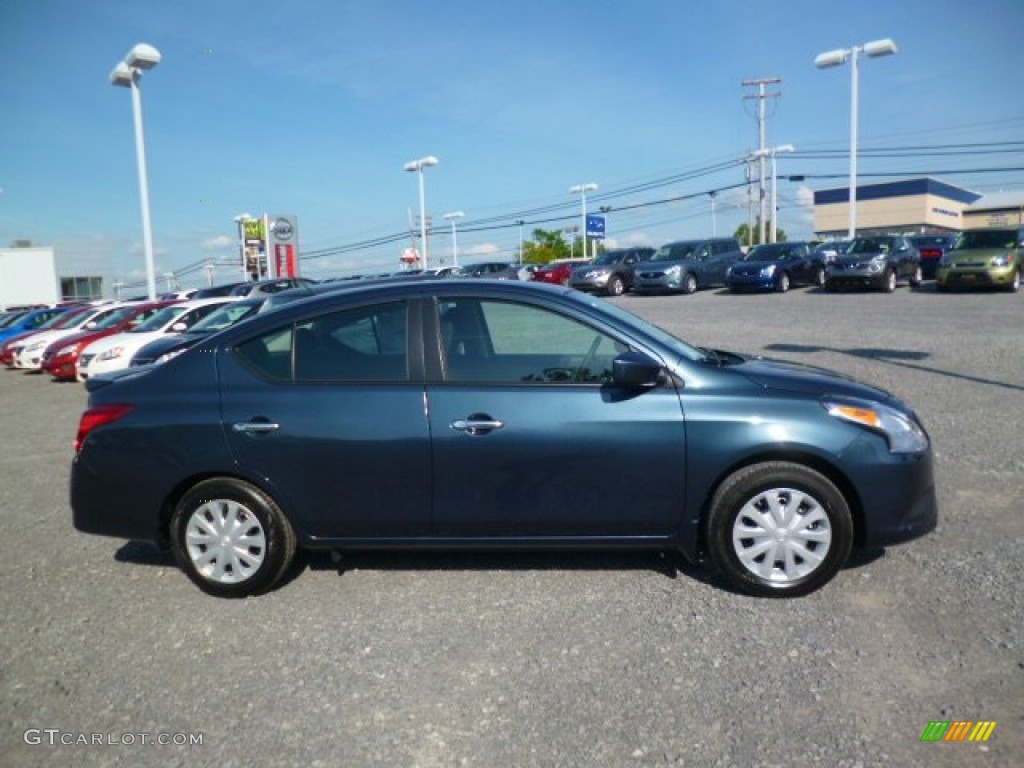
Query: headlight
{"points": [[1002, 260], [768, 271], [110, 354], [70, 349], [904, 434], [674, 271], [876, 265], [169, 356]]}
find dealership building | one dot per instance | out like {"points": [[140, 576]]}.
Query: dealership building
{"points": [[31, 274]]}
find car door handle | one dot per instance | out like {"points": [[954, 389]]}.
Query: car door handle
{"points": [[476, 425], [255, 426]]}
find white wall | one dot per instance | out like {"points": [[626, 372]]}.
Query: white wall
{"points": [[28, 276]]}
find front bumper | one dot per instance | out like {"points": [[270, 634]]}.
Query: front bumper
{"points": [[750, 283], [657, 282], [987, 277]]}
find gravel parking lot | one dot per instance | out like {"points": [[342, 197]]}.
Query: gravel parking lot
{"points": [[550, 659]]}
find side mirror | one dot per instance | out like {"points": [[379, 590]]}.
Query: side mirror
{"points": [[90, 325], [179, 327], [635, 370]]}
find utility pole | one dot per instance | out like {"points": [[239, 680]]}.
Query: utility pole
{"points": [[761, 96]]}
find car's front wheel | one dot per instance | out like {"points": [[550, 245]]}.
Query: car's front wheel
{"points": [[1014, 285], [889, 281], [782, 282], [689, 283], [778, 529], [615, 286], [230, 538], [819, 277]]}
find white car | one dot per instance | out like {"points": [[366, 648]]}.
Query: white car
{"points": [[113, 353], [28, 354]]}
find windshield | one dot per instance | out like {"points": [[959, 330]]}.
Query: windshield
{"points": [[157, 322], [113, 317], [10, 318], [226, 316], [936, 241], [657, 333], [675, 251], [985, 238], [771, 252], [870, 245]]}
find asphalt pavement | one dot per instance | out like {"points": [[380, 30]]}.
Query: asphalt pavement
{"points": [[549, 659]]}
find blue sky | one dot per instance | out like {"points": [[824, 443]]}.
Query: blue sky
{"points": [[312, 107]]}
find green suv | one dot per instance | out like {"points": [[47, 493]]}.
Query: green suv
{"points": [[990, 258]]}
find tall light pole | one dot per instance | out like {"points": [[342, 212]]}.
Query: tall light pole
{"points": [[581, 190], [520, 222], [772, 152], [417, 166], [714, 226], [834, 58], [127, 74], [241, 220], [455, 248]]}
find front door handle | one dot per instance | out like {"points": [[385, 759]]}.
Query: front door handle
{"points": [[250, 427], [476, 424]]}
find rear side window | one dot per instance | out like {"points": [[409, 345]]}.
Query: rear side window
{"points": [[363, 344]]}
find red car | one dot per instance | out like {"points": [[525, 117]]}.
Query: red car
{"points": [[60, 359], [557, 272]]}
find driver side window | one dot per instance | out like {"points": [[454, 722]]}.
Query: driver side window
{"points": [[506, 342]]}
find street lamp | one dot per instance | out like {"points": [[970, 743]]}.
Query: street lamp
{"points": [[520, 222], [714, 227], [772, 152], [581, 190], [835, 58], [455, 249], [127, 74], [418, 166]]}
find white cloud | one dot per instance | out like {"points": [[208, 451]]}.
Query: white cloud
{"points": [[219, 243]]}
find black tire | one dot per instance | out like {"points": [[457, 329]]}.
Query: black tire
{"points": [[917, 278], [689, 283], [615, 286], [782, 282], [941, 287], [888, 284], [1014, 285], [829, 286], [742, 501], [819, 277], [262, 543]]}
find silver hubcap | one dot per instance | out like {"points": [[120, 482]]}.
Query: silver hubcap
{"points": [[225, 541], [781, 535]]}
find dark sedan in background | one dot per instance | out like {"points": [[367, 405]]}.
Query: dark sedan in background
{"points": [[493, 414], [775, 267], [163, 349], [932, 248]]}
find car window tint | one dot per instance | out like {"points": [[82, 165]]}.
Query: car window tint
{"points": [[508, 342], [364, 344]]}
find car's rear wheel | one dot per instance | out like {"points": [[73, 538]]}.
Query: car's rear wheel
{"points": [[689, 283], [782, 282], [230, 538], [615, 286], [778, 529], [917, 278], [819, 277]]}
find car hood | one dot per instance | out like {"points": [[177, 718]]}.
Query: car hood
{"points": [[847, 259], [807, 379]]}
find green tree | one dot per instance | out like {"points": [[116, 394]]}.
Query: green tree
{"points": [[742, 230], [546, 245]]}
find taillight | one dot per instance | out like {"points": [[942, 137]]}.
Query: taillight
{"points": [[930, 253], [97, 417]]}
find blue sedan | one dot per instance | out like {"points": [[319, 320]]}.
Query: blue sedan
{"points": [[776, 267], [493, 414]]}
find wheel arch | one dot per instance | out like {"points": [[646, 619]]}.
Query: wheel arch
{"points": [[793, 456], [178, 491]]}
